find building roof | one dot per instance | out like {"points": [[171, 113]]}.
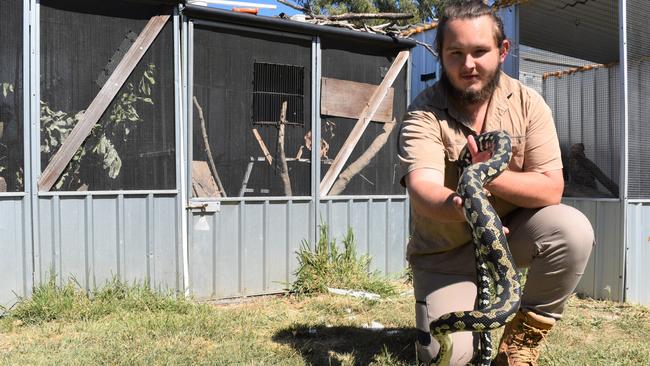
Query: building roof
{"points": [[585, 29]]}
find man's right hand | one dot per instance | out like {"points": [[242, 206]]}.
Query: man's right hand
{"points": [[458, 204]]}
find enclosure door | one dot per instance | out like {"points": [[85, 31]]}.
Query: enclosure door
{"points": [[249, 158]]}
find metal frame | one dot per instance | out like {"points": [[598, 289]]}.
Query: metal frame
{"points": [[316, 136], [33, 127], [622, 16], [179, 124]]}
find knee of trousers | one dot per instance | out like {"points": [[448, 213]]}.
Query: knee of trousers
{"points": [[428, 347], [569, 235]]}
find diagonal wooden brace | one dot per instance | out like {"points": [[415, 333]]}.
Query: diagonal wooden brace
{"points": [[98, 106], [364, 119]]}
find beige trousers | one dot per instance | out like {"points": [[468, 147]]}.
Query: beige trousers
{"points": [[554, 243]]}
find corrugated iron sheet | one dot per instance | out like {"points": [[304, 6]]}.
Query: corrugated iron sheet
{"points": [[603, 277], [638, 253], [16, 250], [92, 239]]}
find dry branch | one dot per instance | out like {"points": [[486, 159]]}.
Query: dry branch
{"points": [[363, 160], [347, 16], [361, 16], [208, 151], [284, 171]]}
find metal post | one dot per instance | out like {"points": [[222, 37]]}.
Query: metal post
{"points": [[315, 137], [181, 183], [622, 24], [32, 117]]}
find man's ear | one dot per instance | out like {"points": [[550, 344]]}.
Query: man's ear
{"points": [[503, 51]]}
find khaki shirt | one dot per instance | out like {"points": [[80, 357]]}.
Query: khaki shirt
{"points": [[433, 133]]}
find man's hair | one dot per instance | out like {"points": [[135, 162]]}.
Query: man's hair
{"points": [[467, 9]]}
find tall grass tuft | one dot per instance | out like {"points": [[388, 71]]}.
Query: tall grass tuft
{"points": [[70, 302], [329, 266]]}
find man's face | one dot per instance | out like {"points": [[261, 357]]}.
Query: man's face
{"points": [[471, 59]]}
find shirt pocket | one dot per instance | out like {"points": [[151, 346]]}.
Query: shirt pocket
{"points": [[453, 147], [518, 150]]}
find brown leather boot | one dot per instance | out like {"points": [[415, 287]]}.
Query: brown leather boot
{"points": [[522, 339]]}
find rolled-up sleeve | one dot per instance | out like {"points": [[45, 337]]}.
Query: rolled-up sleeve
{"points": [[420, 144], [542, 152]]}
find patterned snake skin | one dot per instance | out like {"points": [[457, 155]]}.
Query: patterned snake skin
{"points": [[495, 267]]}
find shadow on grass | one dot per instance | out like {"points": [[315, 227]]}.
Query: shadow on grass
{"points": [[319, 345]]}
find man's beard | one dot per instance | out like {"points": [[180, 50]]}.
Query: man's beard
{"points": [[468, 97]]}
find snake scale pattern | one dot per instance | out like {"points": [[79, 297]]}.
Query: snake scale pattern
{"points": [[498, 280]]}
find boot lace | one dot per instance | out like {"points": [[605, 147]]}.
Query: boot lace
{"points": [[525, 349]]}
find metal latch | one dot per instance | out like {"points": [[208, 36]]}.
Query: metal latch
{"points": [[205, 207]]}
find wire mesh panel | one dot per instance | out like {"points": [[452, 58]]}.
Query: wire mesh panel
{"points": [[372, 167], [11, 100], [132, 147], [573, 63], [638, 107], [244, 82]]}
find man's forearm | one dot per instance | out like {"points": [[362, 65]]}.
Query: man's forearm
{"points": [[528, 189], [431, 199]]}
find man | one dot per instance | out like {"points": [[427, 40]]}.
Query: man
{"points": [[553, 240]]}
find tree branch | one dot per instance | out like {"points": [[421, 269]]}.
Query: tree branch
{"points": [[360, 16]]}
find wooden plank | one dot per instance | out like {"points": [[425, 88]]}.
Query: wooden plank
{"points": [[362, 123], [103, 99], [203, 183], [265, 150], [344, 98]]}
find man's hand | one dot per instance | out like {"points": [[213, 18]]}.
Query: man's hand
{"points": [[458, 204], [477, 157]]}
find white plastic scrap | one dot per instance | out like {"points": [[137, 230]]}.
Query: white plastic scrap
{"points": [[374, 325], [359, 294]]}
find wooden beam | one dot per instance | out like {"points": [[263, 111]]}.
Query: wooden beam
{"points": [[103, 99], [362, 123], [343, 98], [260, 141]]}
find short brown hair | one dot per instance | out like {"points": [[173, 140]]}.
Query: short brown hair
{"points": [[467, 9]]}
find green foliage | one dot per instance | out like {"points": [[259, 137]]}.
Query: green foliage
{"points": [[99, 148], [423, 10], [328, 266], [69, 302]]}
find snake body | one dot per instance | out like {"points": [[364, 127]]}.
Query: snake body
{"points": [[494, 263]]}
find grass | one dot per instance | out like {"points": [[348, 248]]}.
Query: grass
{"points": [[132, 325], [327, 265], [122, 324]]}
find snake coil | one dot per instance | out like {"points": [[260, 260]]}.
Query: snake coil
{"points": [[496, 271]]}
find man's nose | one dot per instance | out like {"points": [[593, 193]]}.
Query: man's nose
{"points": [[469, 62]]}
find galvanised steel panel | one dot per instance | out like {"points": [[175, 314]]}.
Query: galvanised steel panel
{"points": [[276, 250], [377, 234], [603, 277], [72, 244], [337, 219], [104, 225], [165, 242], [423, 62], [252, 247], [14, 248], [95, 238], [246, 248], [133, 244], [638, 253], [380, 227], [396, 236], [359, 219], [301, 228]]}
